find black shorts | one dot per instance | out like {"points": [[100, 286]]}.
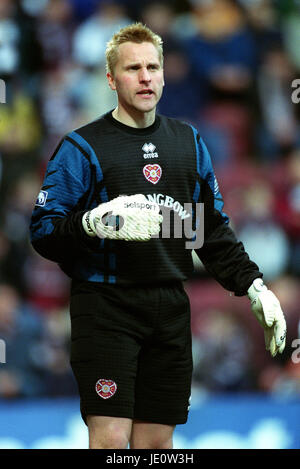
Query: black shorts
{"points": [[131, 351]]}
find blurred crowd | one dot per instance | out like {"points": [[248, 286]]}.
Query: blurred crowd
{"points": [[229, 67]]}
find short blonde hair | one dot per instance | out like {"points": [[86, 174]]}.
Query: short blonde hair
{"points": [[136, 32]]}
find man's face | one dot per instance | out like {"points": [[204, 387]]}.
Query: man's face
{"points": [[137, 77]]}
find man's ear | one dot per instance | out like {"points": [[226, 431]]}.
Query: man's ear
{"points": [[111, 81]]}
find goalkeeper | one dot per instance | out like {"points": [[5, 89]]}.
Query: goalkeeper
{"points": [[100, 215]]}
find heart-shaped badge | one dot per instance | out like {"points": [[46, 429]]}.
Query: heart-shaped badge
{"points": [[105, 388], [152, 173]]}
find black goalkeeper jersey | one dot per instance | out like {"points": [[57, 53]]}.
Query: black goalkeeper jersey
{"points": [[169, 163]]}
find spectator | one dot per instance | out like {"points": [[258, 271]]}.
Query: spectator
{"points": [[287, 205], [9, 39], [54, 33], [22, 331], [278, 131], [223, 49], [91, 36], [223, 353], [265, 240]]}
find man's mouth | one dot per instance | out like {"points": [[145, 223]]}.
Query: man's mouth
{"points": [[146, 92]]}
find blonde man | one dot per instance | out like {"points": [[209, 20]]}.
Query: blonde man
{"points": [[130, 316]]}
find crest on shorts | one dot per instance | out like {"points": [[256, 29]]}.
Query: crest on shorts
{"points": [[152, 173], [105, 388]]}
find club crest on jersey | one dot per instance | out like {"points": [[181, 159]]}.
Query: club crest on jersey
{"points": [[152, 173], [41, 198], [105, 388]]}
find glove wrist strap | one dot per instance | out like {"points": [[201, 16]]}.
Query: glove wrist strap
{"points": [[88, 225], [256, 288]]}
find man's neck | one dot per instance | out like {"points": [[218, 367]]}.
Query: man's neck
{"points": [[138, 120]]}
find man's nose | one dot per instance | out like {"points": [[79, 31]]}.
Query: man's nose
{"points": [[144, 75]]}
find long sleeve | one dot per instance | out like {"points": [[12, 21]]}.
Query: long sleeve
{"points": [[56, 230], [222, 254]]}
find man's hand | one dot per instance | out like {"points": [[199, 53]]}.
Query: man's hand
{"points": [[268, 312], [129, 218]]}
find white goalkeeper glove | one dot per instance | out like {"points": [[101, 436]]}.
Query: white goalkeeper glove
{"points": [[268, 312], [129, 218]]}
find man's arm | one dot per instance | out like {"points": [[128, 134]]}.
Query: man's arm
{"points": [[225, 258], [56, 230], [222, 254], [68, 219]]}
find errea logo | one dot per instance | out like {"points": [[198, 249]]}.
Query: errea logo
{"points": [[149, 150]]}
